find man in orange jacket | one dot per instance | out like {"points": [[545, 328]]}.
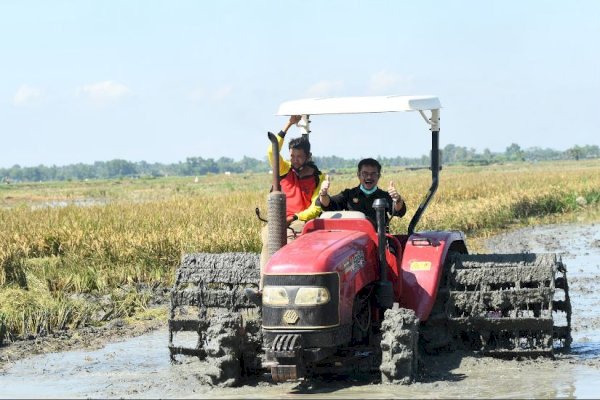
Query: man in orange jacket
{"points": [[300, 181]]}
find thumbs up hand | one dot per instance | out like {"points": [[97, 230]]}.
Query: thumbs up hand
{"points": [[393, 192], [325, 186]]}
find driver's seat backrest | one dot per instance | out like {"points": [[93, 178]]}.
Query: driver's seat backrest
{"points": [[342, 215]]}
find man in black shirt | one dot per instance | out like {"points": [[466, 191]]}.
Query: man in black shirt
{"points": [[361, 198]]}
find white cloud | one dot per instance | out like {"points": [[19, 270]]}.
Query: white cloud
{"points": [[199, 93], [324, 88], [26, 94], [384, 82], [104, 91], [223, 92]]}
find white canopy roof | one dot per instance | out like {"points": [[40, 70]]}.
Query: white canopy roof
{"points": [[357, 105]]}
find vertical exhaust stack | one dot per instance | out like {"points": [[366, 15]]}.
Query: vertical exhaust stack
{"points": [[277, 225], [385, 291]]}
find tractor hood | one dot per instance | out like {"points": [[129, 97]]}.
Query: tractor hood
{"points": [[323, 251]]}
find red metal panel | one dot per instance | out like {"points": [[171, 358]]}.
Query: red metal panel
{"points": [[350, 224], [347, 252], [422, 263], [318, 252], [347, 247]]}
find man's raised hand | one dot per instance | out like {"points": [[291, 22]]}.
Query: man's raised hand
{"points": [[393, 192], [325, 186]]}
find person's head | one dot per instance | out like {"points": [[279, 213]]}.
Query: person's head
{"points": [[299, 152], [369, 171]]}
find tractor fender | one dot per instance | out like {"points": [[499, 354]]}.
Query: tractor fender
{"points": [[422, 266]]}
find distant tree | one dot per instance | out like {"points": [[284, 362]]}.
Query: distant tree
{"points": [[538, 153], [120, 168], [487, 154], [575, 152], [248, 164], [514, 152], [590, 151], [451, 153]]}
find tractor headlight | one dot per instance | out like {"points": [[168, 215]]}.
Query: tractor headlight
{"points": [[312, 296], [275, 296]]}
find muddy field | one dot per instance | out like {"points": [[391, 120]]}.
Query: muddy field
{"points": [[139, 367]]}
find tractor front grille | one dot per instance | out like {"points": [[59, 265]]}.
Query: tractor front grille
{"points": [[291, 316]]}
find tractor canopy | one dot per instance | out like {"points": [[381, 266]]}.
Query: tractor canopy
{"points": [[359, 105], [376, 104]]}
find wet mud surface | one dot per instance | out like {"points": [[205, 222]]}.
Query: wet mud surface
{"points": [[139, 367]]}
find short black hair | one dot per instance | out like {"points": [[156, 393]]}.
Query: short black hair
{"points": [[371, 162], [300, 143]]}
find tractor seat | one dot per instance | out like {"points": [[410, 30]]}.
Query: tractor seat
{"points": [[341, 215]]}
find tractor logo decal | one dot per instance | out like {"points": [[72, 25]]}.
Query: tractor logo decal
{"points": [[354, 263], [420, 265], [290, 317]]}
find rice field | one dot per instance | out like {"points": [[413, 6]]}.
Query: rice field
{"points": [[77, 253]]}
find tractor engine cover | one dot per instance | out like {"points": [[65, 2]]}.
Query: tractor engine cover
{"points": [[341, 262]]}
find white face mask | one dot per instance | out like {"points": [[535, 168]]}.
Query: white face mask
{"points": [[367, 191]]}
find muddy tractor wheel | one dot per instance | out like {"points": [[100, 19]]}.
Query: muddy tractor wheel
{"points": [[399, 346], [509, 305], [251, 347], [222, 344], [211, 318]]}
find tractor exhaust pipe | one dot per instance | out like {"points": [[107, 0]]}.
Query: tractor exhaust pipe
{"points": [[384, 292], [277, 227]]}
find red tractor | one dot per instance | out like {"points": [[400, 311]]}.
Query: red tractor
{"points": [[345, 297]]}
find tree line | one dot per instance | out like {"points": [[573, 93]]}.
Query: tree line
{"points": [[194, 166]]}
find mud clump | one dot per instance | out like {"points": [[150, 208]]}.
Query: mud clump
{"points": [[503, 304], [208, 304], [399, 341], [215, 280], [222, 348]]}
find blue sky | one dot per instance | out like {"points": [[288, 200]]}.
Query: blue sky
{"points": [[86, 81]]}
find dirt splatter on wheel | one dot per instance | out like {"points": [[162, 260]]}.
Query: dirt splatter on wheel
{"points": [[210, 318], [509, 305], [222, 342], [251, 347], [399, 346]]}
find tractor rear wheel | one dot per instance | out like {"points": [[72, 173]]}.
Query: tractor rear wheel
{"points": [[435, 336], [508, 305]]}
